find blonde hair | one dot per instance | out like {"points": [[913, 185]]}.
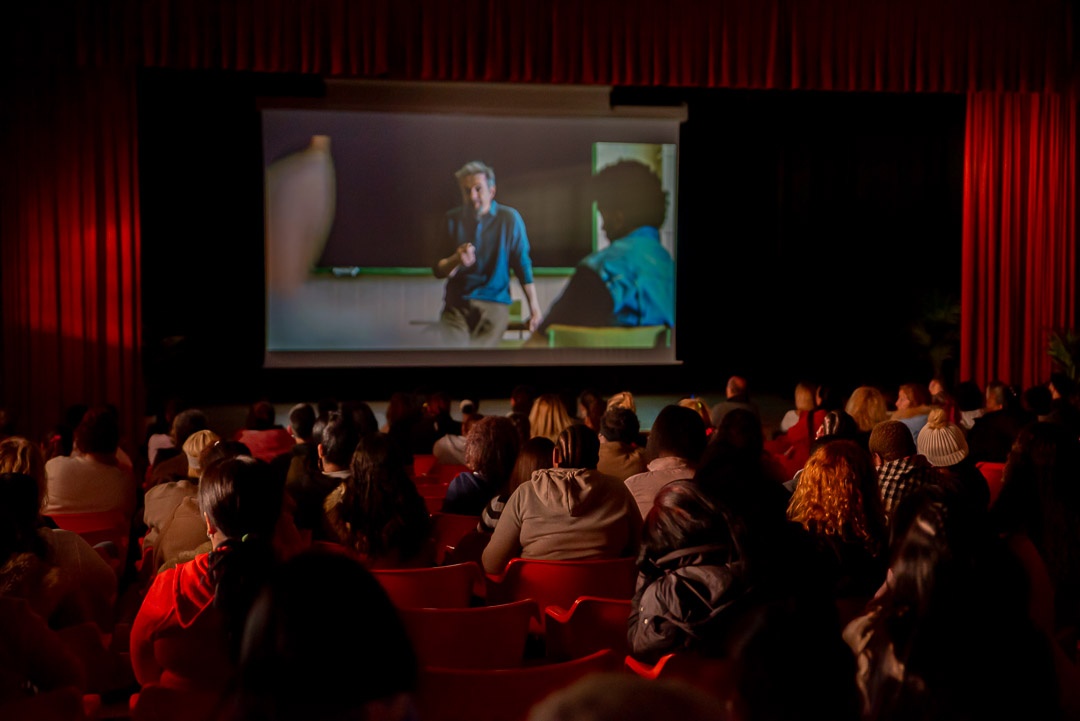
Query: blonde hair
{"points": [[805, 399], [699, 406], [18, 455], [837, 495], [622, 399], [867, 405], [549, 417], [195, 446]]}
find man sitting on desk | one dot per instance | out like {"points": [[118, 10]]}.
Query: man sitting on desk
{"points": [[488, 239], [632, 281]]}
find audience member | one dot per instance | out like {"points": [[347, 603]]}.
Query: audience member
{"points": [[535, 454], [620, 456], [286, 672], [548, 416], [590, 408], [868, 406], [622, 399], [992, 434], [969, 402], [450, 449], [736, 395], [699, 406], [91, 479], [1064, 408], [490, 451], [171, 465], [303, 457], [944, 446], [182, 536], [161, 501], [836, 501], [570, 511], [614, 696], [692, 576], [942, 397], [187, 631], [1039, 504], [57, 572], [900, 469], [41, 679], [434, 422], [912, 407], [793, 444], [676, 441], [263, 435], [949, 637], [376, 512]]}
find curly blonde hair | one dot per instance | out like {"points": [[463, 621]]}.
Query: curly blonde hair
{"points": [[837, 495], [867, 405]]}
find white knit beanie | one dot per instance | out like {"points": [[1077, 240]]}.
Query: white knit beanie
{"points": [[941, 442]]}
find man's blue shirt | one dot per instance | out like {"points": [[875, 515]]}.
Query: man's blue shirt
{"points": [[501, 245]]}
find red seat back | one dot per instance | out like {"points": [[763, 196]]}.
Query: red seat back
{"points": [[994, 473], [590, 625], [560, 583], [481, 637], [435, 587], [447, 529], [715, 676], [501, 694]]}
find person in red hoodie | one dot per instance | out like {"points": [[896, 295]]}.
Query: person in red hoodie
{"points": [[187, 630]]}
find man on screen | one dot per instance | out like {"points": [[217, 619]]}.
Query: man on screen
{"points": [[488, 241], [631, 282]]}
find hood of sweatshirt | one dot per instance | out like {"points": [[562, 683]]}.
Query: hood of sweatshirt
{"points": [[572, 490]]}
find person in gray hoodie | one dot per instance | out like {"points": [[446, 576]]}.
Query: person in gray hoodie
{"points": [[571, 511]]}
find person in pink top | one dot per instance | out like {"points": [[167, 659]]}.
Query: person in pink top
{"points": [[676, 441]]}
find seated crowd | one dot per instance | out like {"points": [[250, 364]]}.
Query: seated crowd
{"points": [[877, 555]]}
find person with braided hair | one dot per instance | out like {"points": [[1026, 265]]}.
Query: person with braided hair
{"points": [[570, 511], [187, 631]]}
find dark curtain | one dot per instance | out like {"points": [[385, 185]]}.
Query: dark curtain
{"points": [[70, 203]]}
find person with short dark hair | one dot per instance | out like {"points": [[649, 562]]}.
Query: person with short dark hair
{"points": [[488, 241], [676, 441], [91, 480], [736, 395], [170, 463], [286, 671], [266, 438], [620, 456], [900, 468], [631, 282]]}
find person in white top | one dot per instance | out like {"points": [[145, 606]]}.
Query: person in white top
{"points": [[676, 441], [91, 479]]}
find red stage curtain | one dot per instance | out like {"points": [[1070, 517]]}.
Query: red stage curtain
{"points": [[70, 252], [70, 200], [1019, 262]]}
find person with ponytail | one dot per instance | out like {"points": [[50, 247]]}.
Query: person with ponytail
{"points": [[187, 631]]}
